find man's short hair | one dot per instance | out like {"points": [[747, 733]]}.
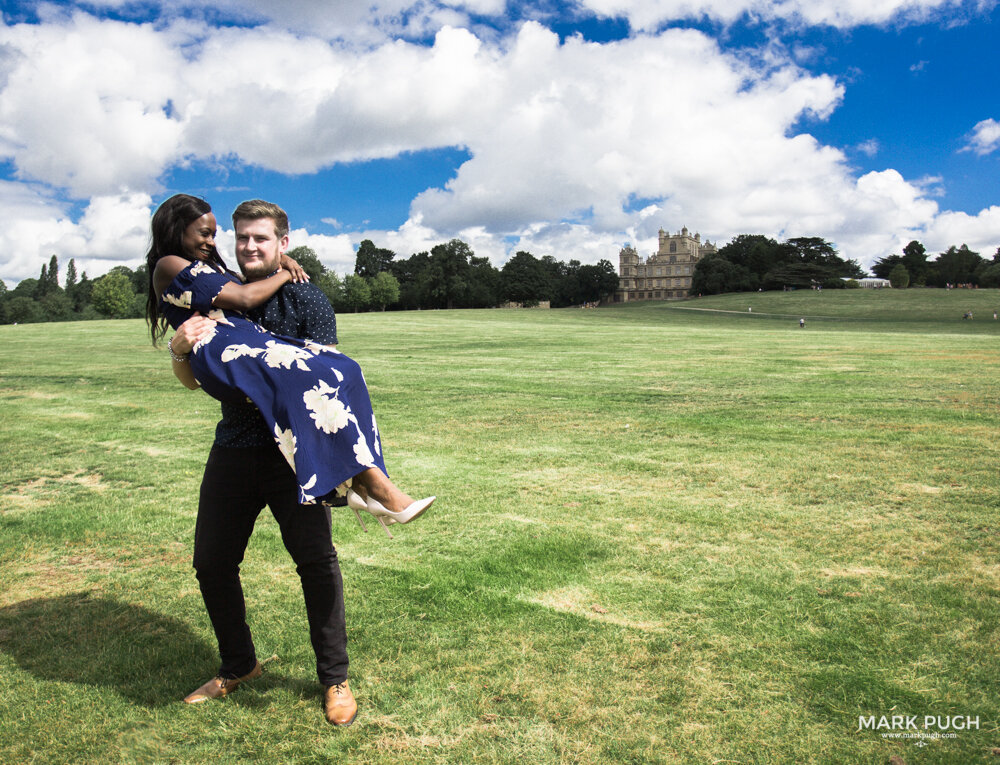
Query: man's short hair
{"points": [[255, 209]]}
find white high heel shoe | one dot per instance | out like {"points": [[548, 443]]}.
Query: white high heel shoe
{"points": [[357, 504], [407, 514]]}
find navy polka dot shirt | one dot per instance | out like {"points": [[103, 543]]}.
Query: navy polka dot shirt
{"points": [[299, 310]]}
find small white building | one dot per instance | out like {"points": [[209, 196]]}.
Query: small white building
{"points": [[871, 283]]}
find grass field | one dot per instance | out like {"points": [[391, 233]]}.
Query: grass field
{"points": [[665, 533]]}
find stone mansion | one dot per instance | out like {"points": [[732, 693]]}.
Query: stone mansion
{"points": [[666, 274]]}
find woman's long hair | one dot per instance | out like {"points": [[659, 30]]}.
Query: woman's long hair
{"points": [[170, 221]]}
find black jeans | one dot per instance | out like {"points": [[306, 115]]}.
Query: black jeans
{"points": [[236, 486]]}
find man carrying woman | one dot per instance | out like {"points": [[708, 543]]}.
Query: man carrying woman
{"points": [[255, 451]]}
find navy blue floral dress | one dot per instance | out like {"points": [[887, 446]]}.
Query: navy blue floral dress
{"points": [[313, 398]]}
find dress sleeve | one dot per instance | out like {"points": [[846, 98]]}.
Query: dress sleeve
{"points": [[195, 287]]}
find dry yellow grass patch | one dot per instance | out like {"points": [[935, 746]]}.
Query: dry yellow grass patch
{"points": [[37, 576], [41, 492], [919, 488], [581, 602], [854, 571]]}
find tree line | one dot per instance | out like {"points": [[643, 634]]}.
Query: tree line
{"points": [[752, 262], [120, 293], [954, 267], [450, 275]]}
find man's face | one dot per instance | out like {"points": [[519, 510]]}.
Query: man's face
{"points": [[258, 249]]}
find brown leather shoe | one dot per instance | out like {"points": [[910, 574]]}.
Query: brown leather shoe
{"points": [[219, 686], [339, 704]]}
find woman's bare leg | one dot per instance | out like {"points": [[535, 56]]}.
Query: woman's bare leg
{"points": [[376, 484]]}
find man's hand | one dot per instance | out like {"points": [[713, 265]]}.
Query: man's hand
{"points": [[298, 273], [190, 333]]}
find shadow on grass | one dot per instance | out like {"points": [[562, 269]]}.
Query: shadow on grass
{"points": [[97, 641]]}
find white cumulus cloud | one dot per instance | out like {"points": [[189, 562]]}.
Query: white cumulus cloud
{"points": [[985, 137], [84, 101], [650, 14], [112, 230], [574, 146]]}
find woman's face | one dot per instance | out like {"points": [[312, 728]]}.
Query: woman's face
{"points": [[199, 237]]}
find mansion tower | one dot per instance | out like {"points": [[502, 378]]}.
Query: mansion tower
{"points": [[666, 274]]}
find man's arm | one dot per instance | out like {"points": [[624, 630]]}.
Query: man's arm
{"points": [[188, 334]]}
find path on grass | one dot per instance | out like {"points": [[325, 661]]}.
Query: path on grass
{"points": [[761, 313]]}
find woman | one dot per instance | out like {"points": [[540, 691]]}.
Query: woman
{"points": [[313, 398]]}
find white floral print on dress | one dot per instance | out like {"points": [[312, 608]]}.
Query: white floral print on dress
{"points": [[233, 352], [209, 336], [183, 300], [304, 498], [218, 315], [363, 454], [286, 444], [284, 355], [326, 409], [317, 348]]}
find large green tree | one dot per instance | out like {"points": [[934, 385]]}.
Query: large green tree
{"points": [[371, 260], [384, 289], [307, 258], [899, 277], [411, 273], [79, 293], [597, 282], [331, 286], [57, 306], [883, 266], [448, 274], [50, 278], [42, 283], [525, 279], [113, 296], [562, 286], [357, 294], [715, 274], [21, 309], [755, 252], [956, 265], [484, 283], [988, 273], [25, 288], [915, 261], [140, 280]]}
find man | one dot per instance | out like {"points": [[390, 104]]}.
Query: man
{"points": [[246, 471]]}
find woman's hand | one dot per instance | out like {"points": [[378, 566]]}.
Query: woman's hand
{"points": [[190, 333], [298, 273]]}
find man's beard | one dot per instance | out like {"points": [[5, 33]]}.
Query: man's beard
{"points": [[259, 271]]}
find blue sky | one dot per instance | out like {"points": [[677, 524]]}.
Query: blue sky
{"points": [[563, 129]]}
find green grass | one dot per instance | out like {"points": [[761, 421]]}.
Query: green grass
{"points": [[662, 535]]}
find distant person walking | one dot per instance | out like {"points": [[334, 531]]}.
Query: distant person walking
{"points": [[802, 323]]}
